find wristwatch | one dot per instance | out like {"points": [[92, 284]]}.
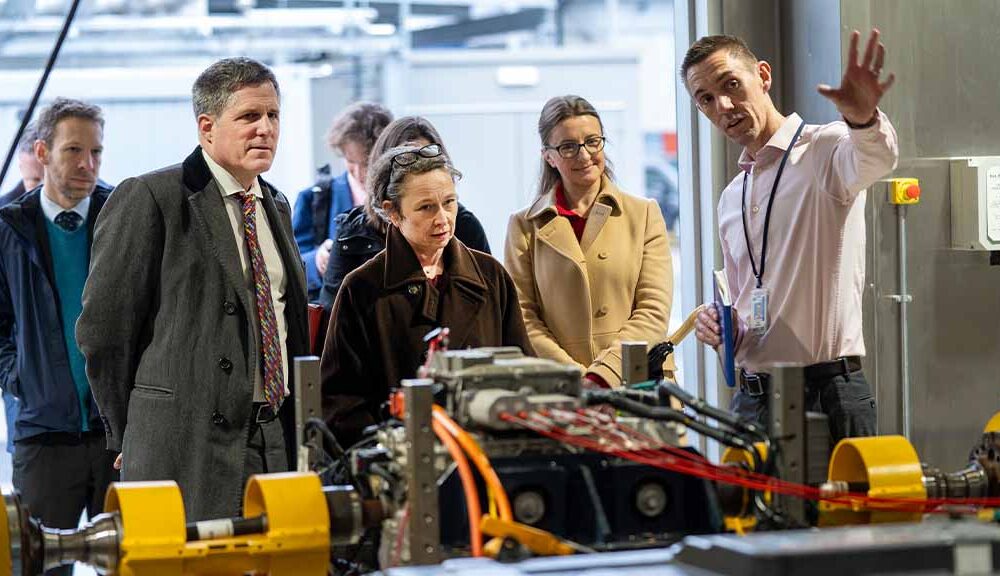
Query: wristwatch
{"points": [[867, 124]]}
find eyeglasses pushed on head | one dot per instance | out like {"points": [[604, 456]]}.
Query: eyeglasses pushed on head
{"points": [[411, 156]]}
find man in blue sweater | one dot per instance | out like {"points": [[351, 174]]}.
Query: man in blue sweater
{"points": [[61, 465], [31, 177]]}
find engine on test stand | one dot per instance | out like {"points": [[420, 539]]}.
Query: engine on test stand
{"points": [[590, 501]]}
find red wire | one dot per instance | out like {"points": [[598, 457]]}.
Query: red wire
{"points": [[623, 442]]}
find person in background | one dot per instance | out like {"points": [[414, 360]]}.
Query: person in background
{"points": [[794, 253], [352, 136], [361, 233], [189, 333], [424, 279], [32, 173], [61, 464], [28, 164], [591, 263]]}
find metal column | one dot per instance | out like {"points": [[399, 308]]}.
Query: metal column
{"points": [[787, 430], [308, 404], [422, 499]]}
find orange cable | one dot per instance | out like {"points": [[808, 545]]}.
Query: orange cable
{"points": [[468, 486], [479, 458]]}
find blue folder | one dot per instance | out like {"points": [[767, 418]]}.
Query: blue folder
{"points": [[724, 306]]}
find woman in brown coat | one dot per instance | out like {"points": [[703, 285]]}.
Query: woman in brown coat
{"points": [[591, 263], [424, 279]]}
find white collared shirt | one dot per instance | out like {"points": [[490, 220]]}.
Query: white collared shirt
{"points": [[358, 194], [230, 190], [51, 209], [815, 268]]}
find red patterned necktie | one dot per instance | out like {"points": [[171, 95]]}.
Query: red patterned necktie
{"points": [[273, 377]]}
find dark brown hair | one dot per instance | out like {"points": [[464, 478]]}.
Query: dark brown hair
{"points": [[59, 110], [708, 45], [555, 111], [361, 123]]}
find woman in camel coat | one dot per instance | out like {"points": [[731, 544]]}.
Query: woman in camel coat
{"points": [[590, 262]]}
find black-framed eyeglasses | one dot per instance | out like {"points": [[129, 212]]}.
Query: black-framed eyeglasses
{"points": [[568, 150], [411, 156]]}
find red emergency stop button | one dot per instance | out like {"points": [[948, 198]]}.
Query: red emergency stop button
{"points": [[913, 192]]}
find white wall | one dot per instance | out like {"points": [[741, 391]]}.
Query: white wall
{"points": [[491, 129], [149, 121]]}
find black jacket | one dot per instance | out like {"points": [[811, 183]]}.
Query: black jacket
{"points": [[357, 243], [34, 364]]}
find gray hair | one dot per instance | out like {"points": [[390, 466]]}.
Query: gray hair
{"points": [[26, 145], [386, 178], [217, 84], [59, 110]]}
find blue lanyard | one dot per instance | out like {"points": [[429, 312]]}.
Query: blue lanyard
{"points": [[767, 216]]}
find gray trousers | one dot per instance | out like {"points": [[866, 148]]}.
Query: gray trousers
{"points": [[846, 400], [59, 479], [265, 450]]}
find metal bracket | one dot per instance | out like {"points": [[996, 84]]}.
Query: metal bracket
{"points": [[899, 298], [422, 497], [635, 363], [787, 428], [308, 404]]}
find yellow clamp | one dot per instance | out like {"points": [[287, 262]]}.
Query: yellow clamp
{"points": [[888, 466], [993, 425], [745, 521]]}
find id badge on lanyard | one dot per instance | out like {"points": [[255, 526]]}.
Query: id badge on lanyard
{"points": [[758, 311], [759, 318]]}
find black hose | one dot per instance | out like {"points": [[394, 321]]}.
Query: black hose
{"points": [[671, 415], [723, 417], [655, 358], [331, 444], [718, 414], [49, 65], [731, 439]]}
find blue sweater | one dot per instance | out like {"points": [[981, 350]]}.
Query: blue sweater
{"points": [[70, 261]]}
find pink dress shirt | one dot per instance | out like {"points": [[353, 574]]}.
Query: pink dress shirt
{"points": [[815, 269]]}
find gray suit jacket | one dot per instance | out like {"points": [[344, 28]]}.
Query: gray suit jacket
{"points": [[169, 332]]}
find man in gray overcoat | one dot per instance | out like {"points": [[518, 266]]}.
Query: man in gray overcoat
{"points": [[196, 305]]}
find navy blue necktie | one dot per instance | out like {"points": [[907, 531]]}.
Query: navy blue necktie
{"points": [[68, 220]]}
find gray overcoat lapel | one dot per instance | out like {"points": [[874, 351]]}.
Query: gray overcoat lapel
{"points": [[208, 212]]}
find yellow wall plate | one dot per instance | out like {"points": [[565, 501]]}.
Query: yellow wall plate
{"points": [[904, 191]]}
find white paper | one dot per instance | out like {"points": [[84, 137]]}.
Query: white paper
{"points": [[993, 203]]}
